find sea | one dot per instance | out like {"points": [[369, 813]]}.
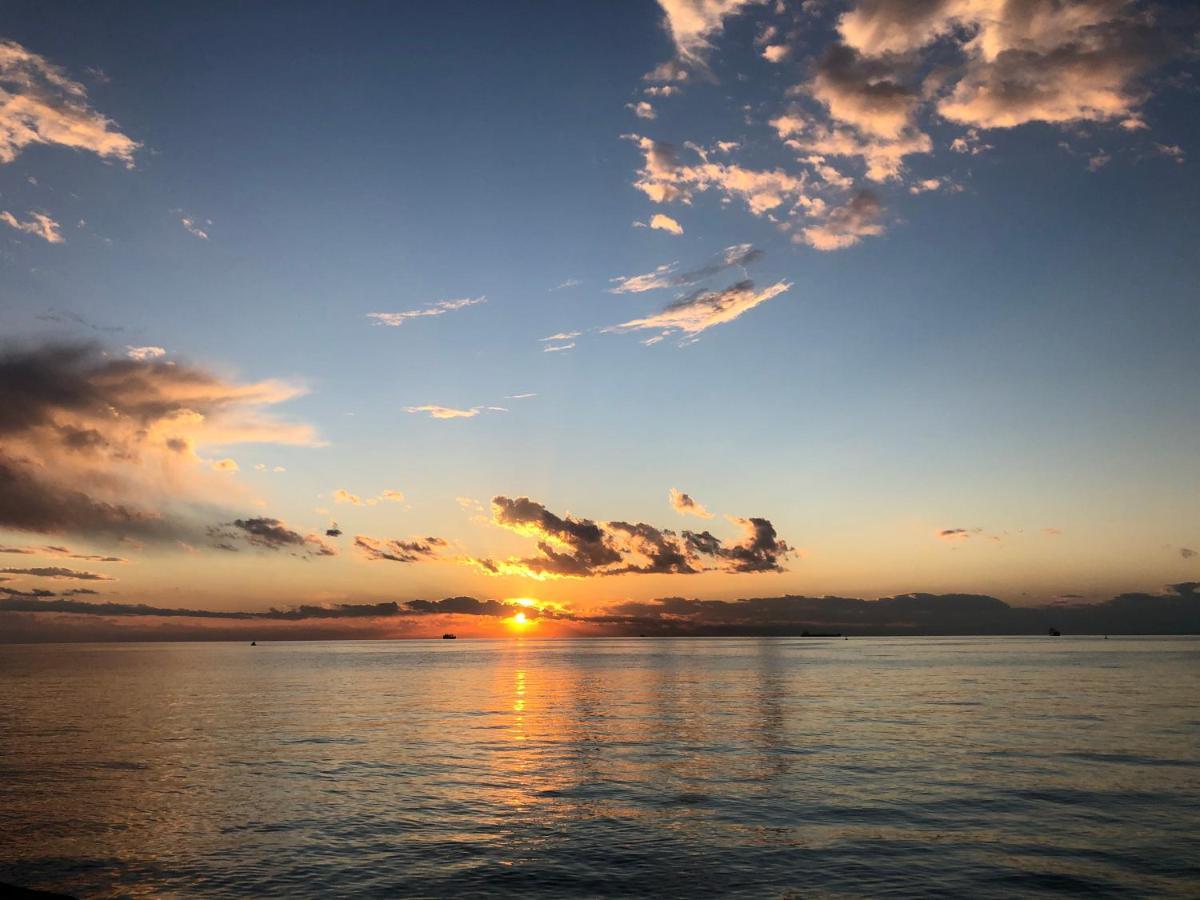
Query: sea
{"points": [[681, 767]]}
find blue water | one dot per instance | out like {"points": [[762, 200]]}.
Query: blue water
{"points": [[981, 767]]}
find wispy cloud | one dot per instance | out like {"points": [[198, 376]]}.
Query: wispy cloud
{"points": [[39, 224], [703, 309], [444, 412], [440, 308], [668, 276], [40, 104], [341, 495], [143, 354], [195, 228]]}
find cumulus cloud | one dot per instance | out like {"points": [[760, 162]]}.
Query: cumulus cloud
{"points": [[39, 225], [665, 177], [660, 222], [440, 308], [105, 447], [847, 225], [571, 547], [704, 308], [40, 104], [686, 505], [642, 109], [668, 276]]}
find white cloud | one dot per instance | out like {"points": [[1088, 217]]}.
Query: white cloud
{"points": [[704, 309], [440, 308], [444, 412], [144, 353], [642, 110], [191, 227]]}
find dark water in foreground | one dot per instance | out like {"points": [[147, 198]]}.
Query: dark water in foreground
{"points": [[761, 767]]}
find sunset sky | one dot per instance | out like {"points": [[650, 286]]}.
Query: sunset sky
{"points": [[594, 304]]}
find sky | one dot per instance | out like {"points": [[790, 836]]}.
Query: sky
{"points": [[566, 309]]}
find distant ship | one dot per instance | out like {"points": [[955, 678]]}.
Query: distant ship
{"points": [[1054, 632], [449, 637], [819, 634]]}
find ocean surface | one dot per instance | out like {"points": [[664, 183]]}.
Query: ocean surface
{"points": [[966, 767]]}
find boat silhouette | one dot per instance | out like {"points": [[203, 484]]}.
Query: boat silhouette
{"points": [[449, 637]]}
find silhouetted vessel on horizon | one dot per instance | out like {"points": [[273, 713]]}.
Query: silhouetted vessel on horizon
{"points": [[1054, 632], [449, 637]]}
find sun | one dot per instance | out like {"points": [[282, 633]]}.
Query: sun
{"points": [[519, 622]]}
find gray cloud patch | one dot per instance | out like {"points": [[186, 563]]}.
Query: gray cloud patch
{"points": [[573, 547]]}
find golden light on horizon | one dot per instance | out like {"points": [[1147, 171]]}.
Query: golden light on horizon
{"points": [[519, 622]]}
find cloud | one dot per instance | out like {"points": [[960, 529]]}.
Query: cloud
{"points": [[194, 229], [444, 412], [64, 552], [39, 225], [143, 354], [865, 92], [569, 283], [40, 104], [570, 547], [703, 309], [666, 276], [665, 178], [685, 505], [776, 53], [410, 551], [558, 348], [440, 308], [35, 616], [107, 448], [1173, 151], [225, 465], [847, 225], [957, 534], [1187, 552], [659, 222], [692, 23], [559, 336], [268, 533], [58, 572], [642, 110], [528, 394], [341, 495]]}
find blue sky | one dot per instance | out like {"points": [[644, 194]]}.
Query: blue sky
{"points": [[1000, 340]]}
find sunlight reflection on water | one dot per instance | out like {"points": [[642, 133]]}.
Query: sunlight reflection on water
{"points": [[966, 766]]}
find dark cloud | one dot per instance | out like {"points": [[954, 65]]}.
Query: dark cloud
{"points": [[268, 533], [412, 551], [104, 447], [572, 547], [1187, 552], [43, 592], [1174, 611], [58, 572]]}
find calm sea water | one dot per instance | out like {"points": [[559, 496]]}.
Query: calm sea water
{"points": [[758, 767]]}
